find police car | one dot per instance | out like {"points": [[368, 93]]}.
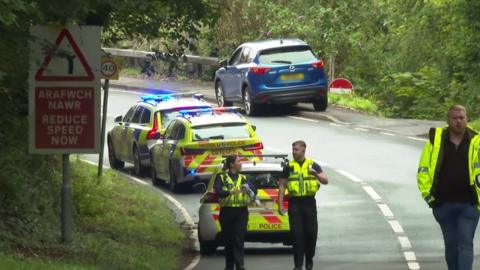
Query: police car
{"points": [[265, 224], [195, 142], [145, 122]]}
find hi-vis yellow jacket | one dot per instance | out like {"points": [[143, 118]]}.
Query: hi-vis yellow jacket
{"points": [[431, 158], [301, 182]]}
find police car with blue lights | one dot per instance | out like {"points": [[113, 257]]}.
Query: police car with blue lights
{"points": [[143, 125], [195, 143]]}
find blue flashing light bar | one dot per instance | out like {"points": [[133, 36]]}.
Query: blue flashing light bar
{"points": [[209, 110], [156, 98]]}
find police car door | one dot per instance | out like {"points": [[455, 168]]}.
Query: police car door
{"points": [[168, 140], [118, 134], [129, 132]]}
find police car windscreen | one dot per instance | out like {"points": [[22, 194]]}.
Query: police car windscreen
{"points": [[220, 132], [263, 179], [287, 56]]}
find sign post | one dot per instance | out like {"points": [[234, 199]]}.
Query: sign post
{"points": [[64, 99], [110, 70]]}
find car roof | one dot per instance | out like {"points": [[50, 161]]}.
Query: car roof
{"points": [[208, 118], [176, 103], [273, 43]]}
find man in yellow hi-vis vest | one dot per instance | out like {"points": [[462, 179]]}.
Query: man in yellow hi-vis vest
{"points": [[449, 180], [302, 178]]}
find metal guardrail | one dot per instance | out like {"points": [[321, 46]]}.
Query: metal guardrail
{"points": [[194, 59]]}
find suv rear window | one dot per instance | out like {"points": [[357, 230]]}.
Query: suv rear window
{"points": [[220, 132], [286, 56]]}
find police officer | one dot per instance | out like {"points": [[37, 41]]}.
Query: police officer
{"points": [[234, 193], [449, 181], [302, 178]]}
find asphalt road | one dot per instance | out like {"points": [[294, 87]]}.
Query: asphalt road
{"points": [[370, 216]]}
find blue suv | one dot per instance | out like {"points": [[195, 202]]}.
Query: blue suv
{"points": [[283, 71]]}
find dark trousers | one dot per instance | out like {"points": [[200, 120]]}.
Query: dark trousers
{"points": [[233, 221], [458, 222], [302, 215]]}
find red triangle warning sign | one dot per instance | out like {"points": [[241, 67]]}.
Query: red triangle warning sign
{"points": [[64, 75]]}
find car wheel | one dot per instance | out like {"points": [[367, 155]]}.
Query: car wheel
{"points": [[114, 162], [321, 104], [220, 94], [173, 180], [153, 174], [139, 169], [250, 107]]}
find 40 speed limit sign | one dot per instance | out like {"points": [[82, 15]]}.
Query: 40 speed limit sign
{"points": [[110, 68]]}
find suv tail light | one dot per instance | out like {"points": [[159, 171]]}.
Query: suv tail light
{"points": [[210, 197], [190, 151], [260, 70], [318, 64], [153, 133], [257, 146]]}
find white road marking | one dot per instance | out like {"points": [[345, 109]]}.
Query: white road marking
{"points": [[302, 118], [361, 129], [417, 139], [396, 227], [350, 176], [410, 256], [336, 125], [413, 266], [385, 210], [372, 193], [387, 133], [404, 242]]}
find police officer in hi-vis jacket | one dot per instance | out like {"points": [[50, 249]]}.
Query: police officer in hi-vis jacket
{"points": [[302, 178]]}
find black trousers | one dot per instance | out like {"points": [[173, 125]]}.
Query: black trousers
{"points": [[302, 215], [233, 221]]}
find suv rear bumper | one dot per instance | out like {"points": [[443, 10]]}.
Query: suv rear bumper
{"points": [[308, 94]]}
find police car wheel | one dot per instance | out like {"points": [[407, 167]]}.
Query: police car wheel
{"points": [[249, 106], [153, 174], [321, 104], [114, 162], [139, 169], [173, 180]]}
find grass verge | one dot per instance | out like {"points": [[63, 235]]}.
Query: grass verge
{"points": [[118, 225], [354, 102]]}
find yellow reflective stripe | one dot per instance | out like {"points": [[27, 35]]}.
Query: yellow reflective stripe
{"points": [[423, 170]]}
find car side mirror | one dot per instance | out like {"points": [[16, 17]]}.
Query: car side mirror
{"points": [[199, 188], [118, 119], [254, 128], [223, 63], [157, 136]]}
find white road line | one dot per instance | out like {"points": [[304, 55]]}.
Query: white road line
{"points": [[413, 266], [387, 133], [410, 256], [417, 139], [372, 193], [396, 227], [361, 129], [350, 176], [302, 118], [336, 125], [404, 242], [385, 210]]}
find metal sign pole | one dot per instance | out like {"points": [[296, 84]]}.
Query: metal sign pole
{"points": [[104, 122], [66, 204]]}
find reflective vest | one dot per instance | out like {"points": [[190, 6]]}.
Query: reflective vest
{"points": [[301, 182], [428, 168], [234, 200]]}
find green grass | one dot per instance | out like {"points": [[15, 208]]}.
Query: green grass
{"points": [[353, 101], [476, 124], [118, 225]]}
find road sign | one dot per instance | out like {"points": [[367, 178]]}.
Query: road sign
{"points": [[110, 68], [64, 91], [341, 86]]}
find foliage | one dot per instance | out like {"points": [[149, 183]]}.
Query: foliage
{"points": [[353, 101], [118, 225]]}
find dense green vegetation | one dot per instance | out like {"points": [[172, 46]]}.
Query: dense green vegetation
{"points": [[118, 225], [412, 58]]}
